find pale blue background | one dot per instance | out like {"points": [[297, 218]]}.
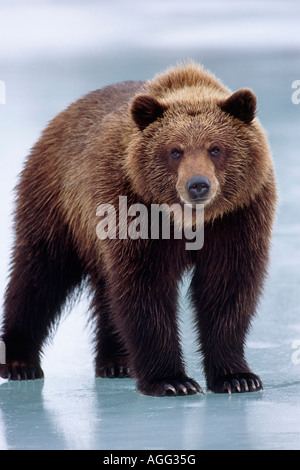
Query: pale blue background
{"points": [[51, 53]]}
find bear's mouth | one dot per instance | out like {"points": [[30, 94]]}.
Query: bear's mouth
{"points": [[193, 203]]}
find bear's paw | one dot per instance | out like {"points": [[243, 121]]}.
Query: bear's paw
{"points": [[114, 371], [20, 370]]}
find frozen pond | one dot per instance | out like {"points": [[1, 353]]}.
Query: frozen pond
{"points": [[52, 54]]}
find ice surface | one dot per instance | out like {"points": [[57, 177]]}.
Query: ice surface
{"points": [[52, 53]]}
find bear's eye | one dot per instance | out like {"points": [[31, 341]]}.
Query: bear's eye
{"points": [[176, 153], [215, 151]]}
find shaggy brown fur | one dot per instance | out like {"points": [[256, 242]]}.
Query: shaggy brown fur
{"points": [[150, 142]]}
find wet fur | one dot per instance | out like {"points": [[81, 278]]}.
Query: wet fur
{"points": [[113, 142]]}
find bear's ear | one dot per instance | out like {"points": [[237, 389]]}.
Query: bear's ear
{"points": [[241, 104], [145, 109]]}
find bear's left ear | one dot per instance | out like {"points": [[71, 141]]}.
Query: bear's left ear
{"points": [[145, 109], [241, 104]]}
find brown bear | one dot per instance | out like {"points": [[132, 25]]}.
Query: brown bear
{"points": [[181, 138]]}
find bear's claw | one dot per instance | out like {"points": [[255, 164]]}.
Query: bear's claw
{"points": [[114, 371], [185, 388], [237, 383], [172, 388]]}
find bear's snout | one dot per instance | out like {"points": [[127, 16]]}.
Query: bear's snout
{"points": [[198, 187]]}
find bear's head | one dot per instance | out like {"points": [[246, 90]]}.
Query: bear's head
{"points": [[207, 148]]}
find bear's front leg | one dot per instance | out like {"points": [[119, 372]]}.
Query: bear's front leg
{"points": [[222, 331], [143, 293], [225, 289]]}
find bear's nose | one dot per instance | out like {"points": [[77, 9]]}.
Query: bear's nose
{"points": [[198, 187]]}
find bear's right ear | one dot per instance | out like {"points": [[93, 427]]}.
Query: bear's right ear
{"points": [[145, 109]]}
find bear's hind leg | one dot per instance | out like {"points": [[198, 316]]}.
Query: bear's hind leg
{"points": [[111, 359], [41, 279]]}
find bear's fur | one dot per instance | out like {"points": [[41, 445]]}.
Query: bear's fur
{"points": [[150, 141]]}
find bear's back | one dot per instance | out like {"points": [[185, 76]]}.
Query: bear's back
{"points": [[110, 98]]}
